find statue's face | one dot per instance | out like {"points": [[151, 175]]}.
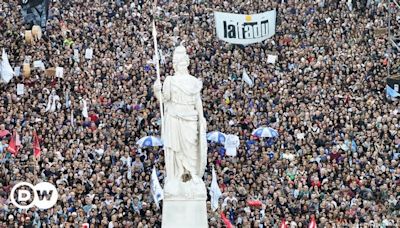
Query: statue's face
{"points": [[180, 61], [180, 58]]}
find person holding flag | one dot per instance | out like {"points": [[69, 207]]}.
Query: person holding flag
{"points": [[215, 191], [156, 190], [313, 223], [15, 144], [36, 145]]}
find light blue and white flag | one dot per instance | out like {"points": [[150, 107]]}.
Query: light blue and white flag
{"points": [[215, 191], [156, 190]]}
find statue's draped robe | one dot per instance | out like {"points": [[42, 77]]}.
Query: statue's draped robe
{"points": [[184, 131]]}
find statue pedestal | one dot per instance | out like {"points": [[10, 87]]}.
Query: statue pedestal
{"points": [[184, 213], [184, 204]]}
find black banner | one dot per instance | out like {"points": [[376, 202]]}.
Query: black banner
{"points": [[32, 3], [393, 82], [35, 12]]}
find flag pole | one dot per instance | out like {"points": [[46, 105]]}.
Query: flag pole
{"points": [[157, 66]]}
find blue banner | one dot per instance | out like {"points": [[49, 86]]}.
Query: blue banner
{"points": [[35, 12]]}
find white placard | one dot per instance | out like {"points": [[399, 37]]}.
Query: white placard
{"points": [[39, 64], [59, 72], [28, 59], [17, 71], [89, 53], [20, 89], [76, 55], [272, 59], [232, 142], [245, 29]]}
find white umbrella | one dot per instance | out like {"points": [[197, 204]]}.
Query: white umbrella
{"points": [[149, 141], [265, 132]]}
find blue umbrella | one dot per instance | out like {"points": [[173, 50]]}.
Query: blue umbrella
{"points": [[265, 132], [149, 141], [216, 136]]}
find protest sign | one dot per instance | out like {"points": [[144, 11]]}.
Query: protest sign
{"points": [[50, 72], [20, 89], [76, 55], [59, 72], [17, 71], [89, 53], [245, 29], [36, 32], [272, 59], [26, 70], [35, 11], [232, 142], [28, 37], [39, 64]]}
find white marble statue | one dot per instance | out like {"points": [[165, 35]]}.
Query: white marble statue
{"points": [[184, 131]]}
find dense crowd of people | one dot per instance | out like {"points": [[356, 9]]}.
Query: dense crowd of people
{"points": [[336, 158]]}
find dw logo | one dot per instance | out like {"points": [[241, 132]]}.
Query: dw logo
{"points": [[45, 195]]}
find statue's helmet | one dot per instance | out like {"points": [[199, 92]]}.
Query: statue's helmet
{"points": [[180, 58]]}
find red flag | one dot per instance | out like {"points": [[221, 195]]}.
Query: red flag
{"points": [[313, 223], [226, 221], [283, 224], [254, 203], [36, 145], [15, 144]]}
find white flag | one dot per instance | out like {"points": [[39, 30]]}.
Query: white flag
{"points": [[6, 71], [156, 190], [162, 57], [85, 112], [72, 118], [215, 192], [246, 78], [129, 175]]}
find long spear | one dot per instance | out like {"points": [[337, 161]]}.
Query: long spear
{"points": [[158, 70]]}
